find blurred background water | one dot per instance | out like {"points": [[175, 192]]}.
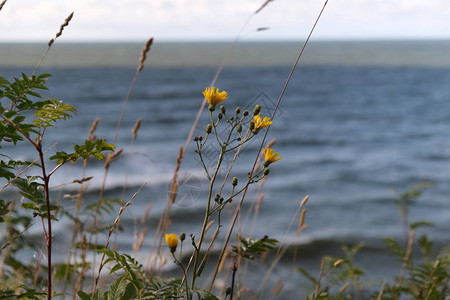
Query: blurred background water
{"points": [[359, 120]]}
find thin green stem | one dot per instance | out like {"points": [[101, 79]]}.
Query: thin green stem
{"points": [[214, 125], [207, 215]]}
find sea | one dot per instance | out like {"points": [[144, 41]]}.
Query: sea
{"points": [[360, 123]]}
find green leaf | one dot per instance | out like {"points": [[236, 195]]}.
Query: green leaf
{"points": [[51, 112], [307, 275], [29, 205], [83, 295], [115, 268], [118, 287], [418, 224], [250, 248], [394, 247]]}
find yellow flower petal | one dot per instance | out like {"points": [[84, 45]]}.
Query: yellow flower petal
{"points": [[261, 123], [270, 156], [214, 96]]}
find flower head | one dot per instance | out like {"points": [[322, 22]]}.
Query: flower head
{"points": [[172, 241], [261, 123], [214, 96], [270, 157]]}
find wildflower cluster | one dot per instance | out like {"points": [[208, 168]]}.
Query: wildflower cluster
{"points": [[230, 132]]}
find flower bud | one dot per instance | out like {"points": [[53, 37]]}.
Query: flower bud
{"points": [[245, 113], [257, 109], [252, 125], [196, 139], [208, 129], [239, 128], [234, 181], [222, 109], [219, 116], [200, 138], [237, 110], [266, 171], [182, 236], [212, 107], [172, 242], [228, 290]]}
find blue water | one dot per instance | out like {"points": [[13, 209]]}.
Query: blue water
{"points": [[349, 135]]}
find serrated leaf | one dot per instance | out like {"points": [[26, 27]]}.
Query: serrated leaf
{"points": [[115, 268], [117, 288]]}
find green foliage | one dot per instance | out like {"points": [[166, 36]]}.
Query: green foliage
{"points": [[90, 148], [26, 293], [107, 207], [3, 210], [126, 263], [52, 111], [427, 280], [25, 116], [251, 249], [20, 98]]}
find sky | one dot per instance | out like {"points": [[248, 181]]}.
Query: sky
{"points": [[215, 20]]}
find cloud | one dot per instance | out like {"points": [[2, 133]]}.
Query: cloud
{"points": [[218, 19]]}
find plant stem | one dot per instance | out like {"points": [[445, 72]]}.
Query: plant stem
{"points": [[207, 215], [49, 221], [184, 274], [233, 279]]}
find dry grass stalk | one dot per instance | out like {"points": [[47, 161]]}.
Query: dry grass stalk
{"points": [[174, 185], [338, 263], [144, 54], [108, 160], [111, 156], [344, 287], [140, 240], [209, 225], [111, 230], [381, 292], [50, 43], [61, 28], [135, 129], [142, 59], [262, 6], [244, 193], [407, 256], [302, 221], [84, 179], [84, 265], [2, 4], [94, 125], [277, 287], [213, 82], [304, 201], [280, 253]]}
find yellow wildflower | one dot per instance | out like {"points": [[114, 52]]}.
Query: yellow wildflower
{"points": [[214, 96], [270, 156], [261, 123], [172, 241]]}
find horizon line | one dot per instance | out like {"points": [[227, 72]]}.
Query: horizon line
{"points": [[132, 41]]}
